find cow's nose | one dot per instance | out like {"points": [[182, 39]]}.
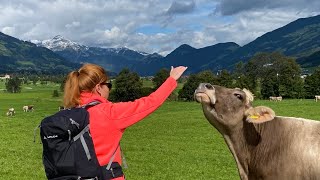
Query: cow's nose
{"points": [[208, 86]]}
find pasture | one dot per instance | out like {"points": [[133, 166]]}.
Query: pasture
{"points": [[175, 142]]}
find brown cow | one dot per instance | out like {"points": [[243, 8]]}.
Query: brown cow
{"points": [[28, 108], [263, 145]]}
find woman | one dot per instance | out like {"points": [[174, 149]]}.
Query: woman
{"points": [[109, 120]]}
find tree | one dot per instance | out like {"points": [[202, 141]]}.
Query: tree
{"points": [[160, 77], [269, 85], [207, 77], [186, 93], [274, 74], [258, 67], [312, 84], [193, 82], [63, 84], [127, 86], [225, 79], [288, 77], [55, 93], [240, 79], [14, 85], [251, 75]]}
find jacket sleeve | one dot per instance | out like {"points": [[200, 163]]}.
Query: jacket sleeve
{"points": [[125, 114]]}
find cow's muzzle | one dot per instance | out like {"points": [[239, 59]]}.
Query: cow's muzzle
{"points": [[205, 93]]}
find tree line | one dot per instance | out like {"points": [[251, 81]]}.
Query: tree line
{"points": [[265, 75]]}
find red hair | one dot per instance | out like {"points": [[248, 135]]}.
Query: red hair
{"points": [[83, 80]]}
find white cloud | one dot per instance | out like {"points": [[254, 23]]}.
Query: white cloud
{"points": [[181, 7], [247, 26], [8, 30], [115, 34], [116, 23], [201, 39], [74, 24], [231, 7]]}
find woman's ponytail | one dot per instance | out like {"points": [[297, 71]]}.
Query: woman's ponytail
{"points": [[72, 90], [83, 80]]}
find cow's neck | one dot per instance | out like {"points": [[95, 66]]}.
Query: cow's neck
{"points": [[241, 140], [242, 165]]}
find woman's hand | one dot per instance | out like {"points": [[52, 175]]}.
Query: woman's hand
{"points": [[176, 72]]}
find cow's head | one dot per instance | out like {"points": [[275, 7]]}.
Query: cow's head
{"points": [[225, 108]]}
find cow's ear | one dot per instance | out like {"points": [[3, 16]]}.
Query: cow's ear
{"points": [[259, 114]]}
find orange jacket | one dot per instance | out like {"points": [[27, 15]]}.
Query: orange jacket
{"points": [[109, 120]]}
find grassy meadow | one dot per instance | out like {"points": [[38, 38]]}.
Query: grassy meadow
{"points": [[175, 142]]}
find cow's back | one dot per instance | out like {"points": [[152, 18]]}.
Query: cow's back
{"points": [[289, 148]]}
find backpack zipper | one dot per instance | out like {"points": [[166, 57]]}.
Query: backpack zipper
{"points": [[69, 132]]}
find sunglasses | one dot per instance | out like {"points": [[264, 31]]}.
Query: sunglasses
{"points": [[108, 84]]}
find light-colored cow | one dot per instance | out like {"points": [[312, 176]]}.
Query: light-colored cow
{"points": [[272, 98], [11, 112], [279, 98], [28, 108], [316, 98], [263, 145], [275, 98]]}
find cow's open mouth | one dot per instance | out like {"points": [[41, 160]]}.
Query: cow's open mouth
{"points": [[198, 96], [202, 97]]}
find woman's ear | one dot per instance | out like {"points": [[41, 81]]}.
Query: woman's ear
{"points": [[97, 89]]}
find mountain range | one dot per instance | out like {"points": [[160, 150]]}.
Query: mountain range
{"points": [[113, 59], [299, 39], [18, 56]]}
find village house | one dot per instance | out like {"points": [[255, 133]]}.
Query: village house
{"points": [[5, 77]]}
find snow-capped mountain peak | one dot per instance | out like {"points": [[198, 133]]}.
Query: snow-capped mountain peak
{"points": [[59, 43]]}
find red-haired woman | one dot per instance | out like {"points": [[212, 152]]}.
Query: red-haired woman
{"points": [[108, 120]]}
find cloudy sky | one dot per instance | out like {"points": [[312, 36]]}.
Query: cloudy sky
{"points": [[150, 25]]}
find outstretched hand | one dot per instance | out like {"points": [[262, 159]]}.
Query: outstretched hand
{"points": [[177, 71]]}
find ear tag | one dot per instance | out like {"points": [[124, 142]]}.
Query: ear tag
{"points": [[259, 114], [254, 117]]}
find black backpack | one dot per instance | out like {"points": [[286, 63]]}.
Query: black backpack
{"points": [[68, 151]]}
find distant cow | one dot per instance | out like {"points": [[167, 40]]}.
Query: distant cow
{"points": [[28, 108], [279, 98], [274, 98], [10, 112], [263, 145], [316, 98]]}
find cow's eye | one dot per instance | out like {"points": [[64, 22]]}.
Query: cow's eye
{"points": [[239, 96]]}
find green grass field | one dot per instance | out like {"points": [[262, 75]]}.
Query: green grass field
{"points": [[175, 142]]}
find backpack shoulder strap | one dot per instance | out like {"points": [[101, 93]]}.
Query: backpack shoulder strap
{"points": [[83, 142], [84, 130], [112, 158], [86, 149], [93, 103], [34, 132]]}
